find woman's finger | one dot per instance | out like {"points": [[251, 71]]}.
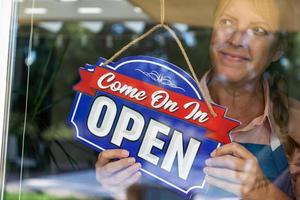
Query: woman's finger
{"points": [[227, 161], [232, 149], [105, 156], [226, 174], [225, 185], [113, 167], [120, 188], [120, 177], [132, 180]]}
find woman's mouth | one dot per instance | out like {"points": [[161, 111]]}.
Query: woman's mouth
{"points": [[234, 57]]}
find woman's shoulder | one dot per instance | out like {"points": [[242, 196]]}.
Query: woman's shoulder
{"points": [[294, 103], [294, 119]]}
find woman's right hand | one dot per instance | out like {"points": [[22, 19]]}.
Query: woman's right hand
{"points": [[115, 170]]}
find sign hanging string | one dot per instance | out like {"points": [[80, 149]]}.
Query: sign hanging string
{"points": [[162, 11], [179, 44]]}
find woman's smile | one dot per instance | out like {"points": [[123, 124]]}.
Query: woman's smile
{"points": [[233, 57]]}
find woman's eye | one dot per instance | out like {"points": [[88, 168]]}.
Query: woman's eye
{"points": [[259, 31], [226, 22]]}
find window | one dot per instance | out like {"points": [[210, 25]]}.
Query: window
{"points": [[46, 42]]}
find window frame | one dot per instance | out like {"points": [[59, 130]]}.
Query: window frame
{"points": [[8, 16]]}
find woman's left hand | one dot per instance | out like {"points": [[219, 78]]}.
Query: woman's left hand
{"points": [[234, 169]]}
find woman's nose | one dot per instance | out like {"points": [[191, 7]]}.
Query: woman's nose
{"points": [[239, 38]]}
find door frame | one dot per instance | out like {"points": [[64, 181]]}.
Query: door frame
{"points": [[8, 23]]}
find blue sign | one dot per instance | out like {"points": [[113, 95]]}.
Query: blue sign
{"points": [[153, 109]]}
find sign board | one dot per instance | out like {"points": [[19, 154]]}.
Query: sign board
{"points": [[153, 109]]}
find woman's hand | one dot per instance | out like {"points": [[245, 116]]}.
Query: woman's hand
{"points": [[234, 169], [116, 171]]}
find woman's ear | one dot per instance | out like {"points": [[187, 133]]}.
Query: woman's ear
{"points": [[278, 54], [281, 47]]}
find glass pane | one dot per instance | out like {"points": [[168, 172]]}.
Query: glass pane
{"points": [[250, 64]]}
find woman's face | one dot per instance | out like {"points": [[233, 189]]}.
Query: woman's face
{"points": [[243, 42]]}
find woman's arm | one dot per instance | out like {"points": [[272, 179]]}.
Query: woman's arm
{"points": [[276, 193], [294, 132], [295, 172]]}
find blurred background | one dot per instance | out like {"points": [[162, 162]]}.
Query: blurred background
{"points": [[67, 35]]}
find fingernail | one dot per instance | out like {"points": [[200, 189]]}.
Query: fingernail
{"points": [[125, 153], [208, 161], [138, 165], [139, 174], [213, 153], [131, 160]]}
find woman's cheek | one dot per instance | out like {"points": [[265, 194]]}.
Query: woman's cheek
{"points": [[220, 37]]}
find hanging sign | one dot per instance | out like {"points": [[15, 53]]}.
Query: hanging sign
{"points": [[154, 110]]}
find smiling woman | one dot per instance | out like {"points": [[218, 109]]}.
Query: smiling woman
{"points": [[246, 39]]}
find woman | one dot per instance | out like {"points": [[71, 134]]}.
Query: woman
{"points": [[263, 162]]}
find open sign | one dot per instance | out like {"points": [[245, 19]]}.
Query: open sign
{"points": [[154, 110]]}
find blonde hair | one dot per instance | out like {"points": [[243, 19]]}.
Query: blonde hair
{"points": [[284, 11]]}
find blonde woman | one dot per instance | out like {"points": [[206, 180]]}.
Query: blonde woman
{"points": [[263, 161]]}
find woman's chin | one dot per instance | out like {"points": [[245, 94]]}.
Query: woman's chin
{"points": [[232, 76]]}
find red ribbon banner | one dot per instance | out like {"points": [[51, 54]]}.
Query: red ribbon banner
{"points": [[185, 108]]}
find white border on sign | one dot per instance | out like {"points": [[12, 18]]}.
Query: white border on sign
{"points": [[103, 149]]}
